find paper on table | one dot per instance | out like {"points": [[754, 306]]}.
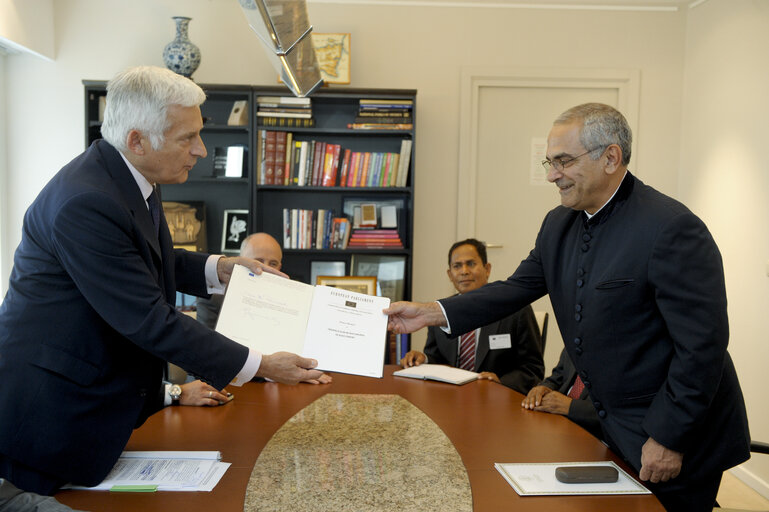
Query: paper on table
{"points": [[439, 372], [345, 331], [169, 471], [539, 480]]}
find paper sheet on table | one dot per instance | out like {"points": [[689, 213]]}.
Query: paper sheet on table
{"points": [[168, 470], [345, 331], [539, 480]]}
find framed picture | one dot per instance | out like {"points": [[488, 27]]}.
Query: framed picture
{"points": [[326, 268], [333, 53], [390, 272], [359, 284], [234, 230], [187, 224]]}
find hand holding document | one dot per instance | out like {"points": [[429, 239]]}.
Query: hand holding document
{"points": [[344, 331]]}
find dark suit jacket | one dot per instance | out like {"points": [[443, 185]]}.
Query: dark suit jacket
{"points": [[89, 320], [639, 296], [581, 411], [519, 367]]}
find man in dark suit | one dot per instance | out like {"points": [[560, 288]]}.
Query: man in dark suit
{"points": [[563, 392], [89, 319], [508, 351], [637, 287]]}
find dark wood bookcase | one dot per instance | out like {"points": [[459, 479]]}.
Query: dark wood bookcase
{"points": [[332, 109]]}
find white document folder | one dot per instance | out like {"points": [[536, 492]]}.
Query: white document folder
{"points": [[345, 331]]}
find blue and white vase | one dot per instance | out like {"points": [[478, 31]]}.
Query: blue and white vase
{"points": [[181, 55]]}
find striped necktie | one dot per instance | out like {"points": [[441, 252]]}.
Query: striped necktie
{"points": [[467, 351]]}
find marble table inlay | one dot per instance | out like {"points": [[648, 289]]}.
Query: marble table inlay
{"points": [[347, 452]]}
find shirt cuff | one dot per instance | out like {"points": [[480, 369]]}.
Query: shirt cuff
{"points": [[167, 397], [253, 362], [446, 329], [212, 276]]}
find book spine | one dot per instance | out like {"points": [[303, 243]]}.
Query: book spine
{"points": [[286, 228], [289, 159], [269, 158], [345, 168], [280, 158], [318, 162], [364, 169]]}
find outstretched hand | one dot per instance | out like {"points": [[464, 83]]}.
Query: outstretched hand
{"points": [[406, 317]]}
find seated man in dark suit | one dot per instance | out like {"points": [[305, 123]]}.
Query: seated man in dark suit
{"points": [[259, 246], [564, 393], [508, 351]]}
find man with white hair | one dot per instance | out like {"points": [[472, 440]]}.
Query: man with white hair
{"points": [[89, 319]]}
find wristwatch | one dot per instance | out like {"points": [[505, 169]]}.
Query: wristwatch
{"points": [[176, 394]]}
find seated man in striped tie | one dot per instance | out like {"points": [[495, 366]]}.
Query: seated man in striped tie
{"points": [[564, 393], [508, 351]]}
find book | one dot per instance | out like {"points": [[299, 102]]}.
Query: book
{"points": [[345, 168], [376, 126], [289, 159], [269, 157], [283, 100], [287, 122], [405, 161], [438, 372], [344, 331], [280, 158], [296, 115]]}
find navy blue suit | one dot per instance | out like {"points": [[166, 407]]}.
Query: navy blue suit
{"points": [[519, 367], [88, 322], [638, 292]]}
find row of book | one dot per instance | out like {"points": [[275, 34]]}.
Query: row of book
{"points": [[284, 111], [323, 229], [281, 160], [314, 229], [383, 114]]}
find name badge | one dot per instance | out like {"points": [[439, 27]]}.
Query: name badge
{"points": [[498, 341]]}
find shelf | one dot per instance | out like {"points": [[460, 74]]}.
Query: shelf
{"points": [[218, 181], [329, 190], [346, 251], [336, 131]]}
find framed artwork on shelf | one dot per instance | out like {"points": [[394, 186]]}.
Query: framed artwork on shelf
{"points": [[390, 272], [326, 268], [187, 224], [234, 230], [333, 53], [359, 284]]}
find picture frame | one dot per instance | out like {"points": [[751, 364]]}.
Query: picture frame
{"points": [[326, 268], [359, 284], [186, 224], [333, 54], [390, 272], [234, 230]]}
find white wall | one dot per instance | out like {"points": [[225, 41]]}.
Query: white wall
{"points": [[27, 25], [724, 178], [4, 263], [422, 47]]}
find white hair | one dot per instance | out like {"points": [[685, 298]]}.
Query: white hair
{"points": [[138, 99]]}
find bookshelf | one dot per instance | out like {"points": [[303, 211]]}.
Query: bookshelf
{"points": [[332, 110]]}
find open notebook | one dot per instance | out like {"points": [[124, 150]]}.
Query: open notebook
{"points": [[438, 372]]}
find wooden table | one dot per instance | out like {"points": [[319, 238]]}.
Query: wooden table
{"points": [[483, 420]]}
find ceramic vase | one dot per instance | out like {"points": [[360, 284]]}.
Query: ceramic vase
{"points": [[181, 55]]}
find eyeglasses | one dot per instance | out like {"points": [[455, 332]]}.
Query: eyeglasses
{"points": [[559, 163]]}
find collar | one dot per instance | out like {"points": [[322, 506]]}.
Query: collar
{"points": [[145, 186], [591, 215]]}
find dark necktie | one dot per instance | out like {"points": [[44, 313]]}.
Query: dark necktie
{"points": [[154, 204], [467, 351]]}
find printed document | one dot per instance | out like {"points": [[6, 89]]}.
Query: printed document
{"points": [[345, 331], [164, 471]]}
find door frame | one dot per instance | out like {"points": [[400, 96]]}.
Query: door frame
{"points": [[474, 78]]}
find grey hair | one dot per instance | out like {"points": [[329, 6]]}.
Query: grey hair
{"points": [[602, 126], [138, 99]]}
